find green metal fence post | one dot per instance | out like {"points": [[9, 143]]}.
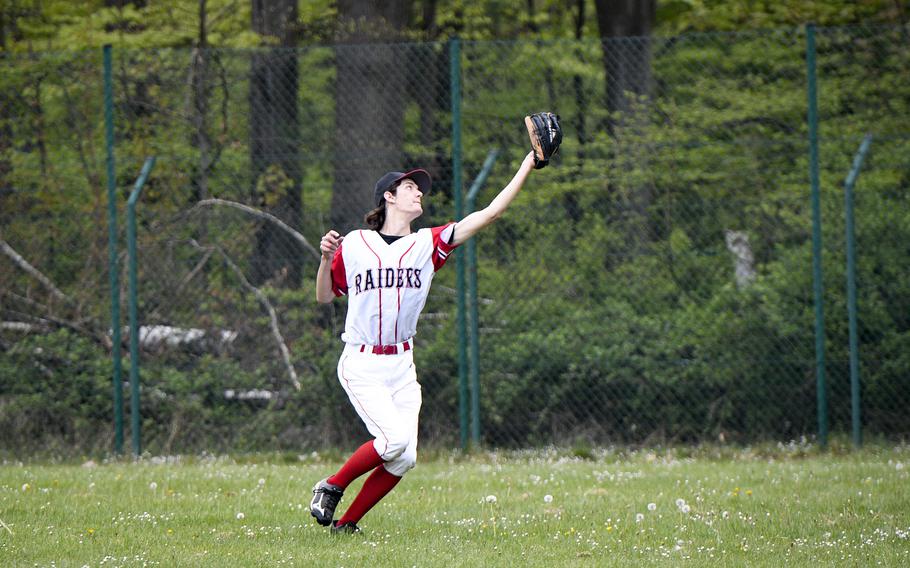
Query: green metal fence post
{"points": [[821, 389], [135, 423], [455, 85], [474, 329], [116, 354], [855, 400]]}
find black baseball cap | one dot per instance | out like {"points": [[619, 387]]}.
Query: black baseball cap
{"points": [[386, 182]]}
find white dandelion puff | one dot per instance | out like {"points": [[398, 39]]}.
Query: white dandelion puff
{"points": [[639, 517], [240, 516], [153, 486], [547, 498], [652, 506], [490, 498]]}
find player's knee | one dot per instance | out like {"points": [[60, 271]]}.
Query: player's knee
{"points": [[396, 446], [403, 463], [408, 459]]}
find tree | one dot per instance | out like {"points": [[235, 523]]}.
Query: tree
{"points": [[625, 27], [275, 141], [370, 80], [627, 63]]}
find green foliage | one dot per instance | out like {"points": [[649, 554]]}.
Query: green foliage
{"points": [[704, 15], [610, 309], [55, 396]]}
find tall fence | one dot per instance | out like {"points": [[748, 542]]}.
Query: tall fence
{"points": [[654, 284]]}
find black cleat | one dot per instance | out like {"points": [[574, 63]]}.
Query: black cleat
{"points": [[325, 499], [346, 528]]}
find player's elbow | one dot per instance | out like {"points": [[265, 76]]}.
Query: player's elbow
{"points": [[324, 298], [495, 214]]}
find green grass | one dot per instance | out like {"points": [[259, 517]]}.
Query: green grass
{"points": [[787, 506]]}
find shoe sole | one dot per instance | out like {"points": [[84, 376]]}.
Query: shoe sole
{"points": [[320, 520]]}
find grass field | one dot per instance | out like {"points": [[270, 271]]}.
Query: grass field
{"points": [[785, 505]]}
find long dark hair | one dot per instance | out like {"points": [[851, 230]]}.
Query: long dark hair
{"points": [[375, 219]]}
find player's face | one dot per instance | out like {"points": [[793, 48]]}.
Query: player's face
{"points": [[408, 197]]}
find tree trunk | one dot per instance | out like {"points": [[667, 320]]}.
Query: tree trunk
{"points": [[275, 143], [432, 98], [573, 210], [625, 27], [627, 63], [370, 88], [201, 89], [6, 118]]}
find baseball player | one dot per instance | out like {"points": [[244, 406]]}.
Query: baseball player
{"points": [[386, 272]]}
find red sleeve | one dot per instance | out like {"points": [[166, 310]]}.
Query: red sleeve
{"points": [[442, 236], [339, 274]]}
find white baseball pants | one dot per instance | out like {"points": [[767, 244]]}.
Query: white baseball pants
{"points": [[386, 395]]}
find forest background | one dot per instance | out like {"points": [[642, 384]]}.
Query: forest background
{"points": [[655, 284]]}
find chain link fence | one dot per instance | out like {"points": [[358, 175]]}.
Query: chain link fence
{"points": [[653, 285]]}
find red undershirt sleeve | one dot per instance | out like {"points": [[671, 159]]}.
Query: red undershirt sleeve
{"points": [[339, 275], [442, 236]]}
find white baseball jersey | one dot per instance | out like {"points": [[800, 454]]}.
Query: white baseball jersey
{"points": [[387, 284]]}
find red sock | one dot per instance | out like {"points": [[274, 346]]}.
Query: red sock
{"points": [[360, 462], [374, 488]]}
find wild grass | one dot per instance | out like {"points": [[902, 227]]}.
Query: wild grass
{"points": [[787, 505]]}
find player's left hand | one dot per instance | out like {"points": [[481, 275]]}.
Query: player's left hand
{"points": [[546, 136]]}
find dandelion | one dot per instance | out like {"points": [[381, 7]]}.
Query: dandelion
{"points": [[547, 498], [90, 532], [652, 506], [153, 486], [26, 487], [240, 516], [749, 492], [261, 482], [490, 498], [639, 517]]}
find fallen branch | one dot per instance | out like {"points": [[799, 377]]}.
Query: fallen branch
{"points": [[21, 326], [34, 272], [47, 319], [268, 217], [273, 316]]}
